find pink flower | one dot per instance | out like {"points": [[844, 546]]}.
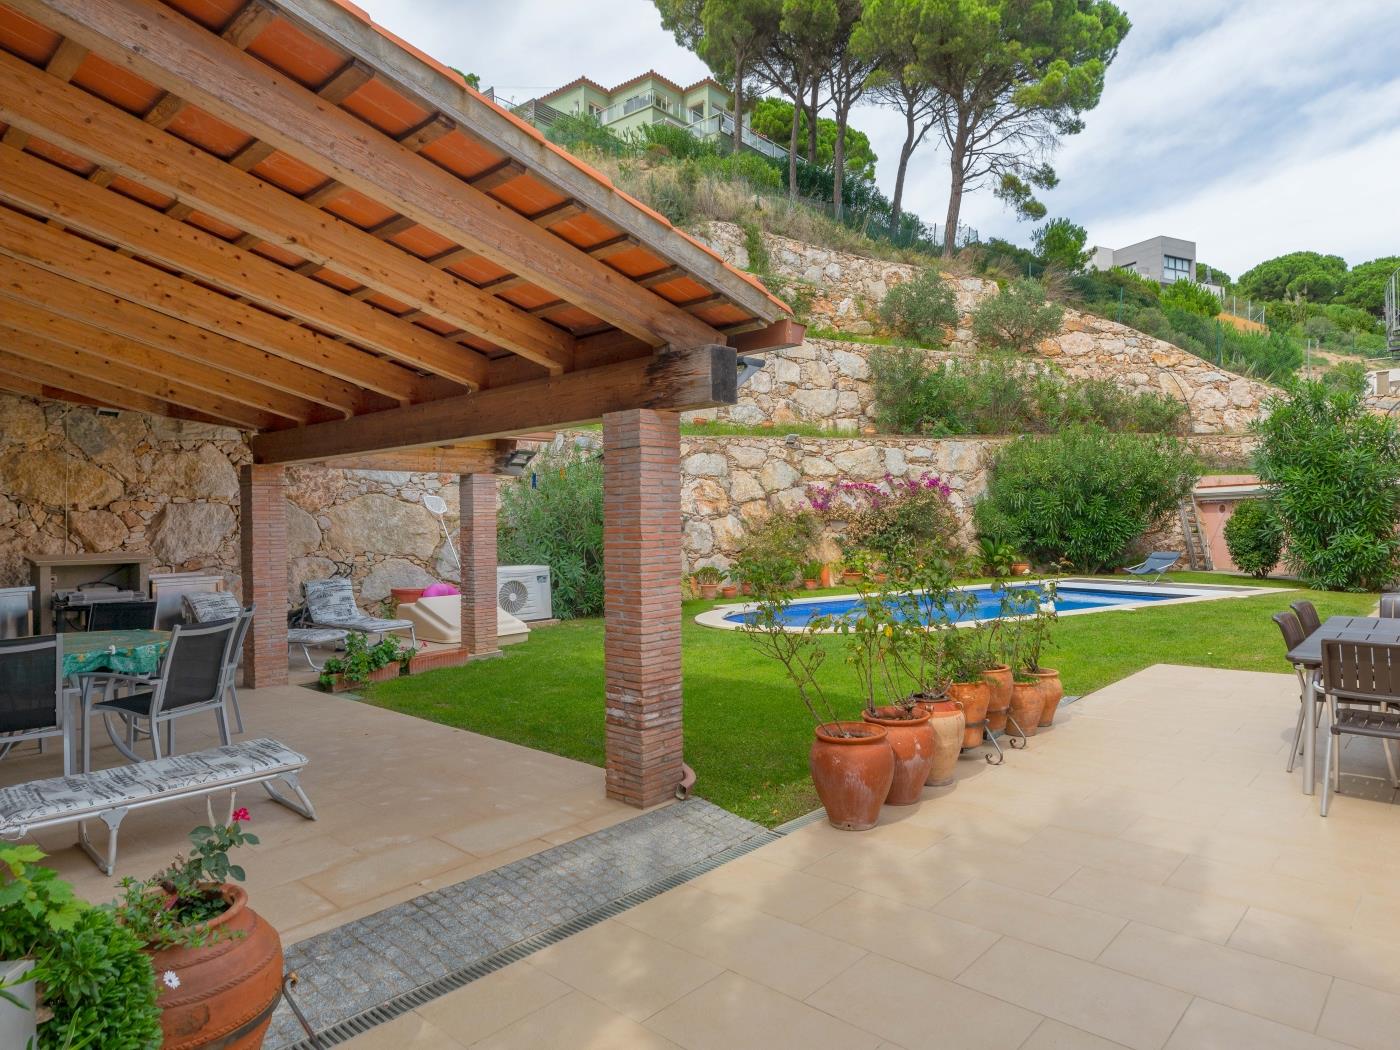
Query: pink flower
{"points": [[241, 814]]}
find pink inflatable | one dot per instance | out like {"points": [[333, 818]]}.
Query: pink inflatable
{"points": [[439, 590]]}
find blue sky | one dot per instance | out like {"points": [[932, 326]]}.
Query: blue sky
{"points": [[1254, 128]]}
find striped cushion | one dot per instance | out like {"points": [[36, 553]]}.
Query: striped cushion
{"points": [[207, 606]]}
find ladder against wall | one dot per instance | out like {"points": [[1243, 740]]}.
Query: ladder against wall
{"points": [[1193, 536]]}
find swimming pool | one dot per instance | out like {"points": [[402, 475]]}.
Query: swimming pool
{"points": [[1074, 596]]}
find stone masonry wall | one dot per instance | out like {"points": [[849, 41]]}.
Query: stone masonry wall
{"points": [[827, 381]]}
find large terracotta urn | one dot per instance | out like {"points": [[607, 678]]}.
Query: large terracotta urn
{"points": [[1052, 691], [947, 722], [1027, 700], [221, 995], [999, 702], [974, 697], [911, 742], [852, 773]]}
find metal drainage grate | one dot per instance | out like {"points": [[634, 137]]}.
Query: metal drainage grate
{"points": [[360, 1023]]}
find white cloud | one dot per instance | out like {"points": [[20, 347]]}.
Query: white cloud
{"points": [[1253, 127]]}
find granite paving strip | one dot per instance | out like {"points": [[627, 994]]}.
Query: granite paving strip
{"points": [[365, 963]]}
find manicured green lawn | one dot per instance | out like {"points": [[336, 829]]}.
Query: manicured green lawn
{"points": [[746, 734]]}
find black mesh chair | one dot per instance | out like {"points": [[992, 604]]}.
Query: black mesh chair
{"points": [[1307, 616], [1366, 677], [1293, 635], [191, 679], [122, 616], [32, 700]]}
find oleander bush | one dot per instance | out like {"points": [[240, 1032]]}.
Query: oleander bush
{"points": [[1084, 495]]}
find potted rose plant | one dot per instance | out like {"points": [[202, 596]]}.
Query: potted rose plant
{"points": [[218, 964]]}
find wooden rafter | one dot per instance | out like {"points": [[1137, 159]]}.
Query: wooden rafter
{"points": [[22, 283], [86, 126], [698, 377], [169, 50], [36, 186]]}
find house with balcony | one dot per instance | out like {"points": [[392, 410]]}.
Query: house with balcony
{"points": [[705, 108]]}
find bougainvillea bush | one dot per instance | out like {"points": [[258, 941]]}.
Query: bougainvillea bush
{"points": [[903, 520]]}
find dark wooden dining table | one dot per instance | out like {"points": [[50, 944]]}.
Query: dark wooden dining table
{"points": [[1309, 651]]}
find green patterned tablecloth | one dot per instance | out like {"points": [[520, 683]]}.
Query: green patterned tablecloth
{"points": [[126, 652]]}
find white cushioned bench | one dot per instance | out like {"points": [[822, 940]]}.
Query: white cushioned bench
{"points": [[109, 794]]}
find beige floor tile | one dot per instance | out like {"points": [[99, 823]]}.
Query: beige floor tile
{"points": [[938, 945], [1045, 921], [1115, 1005], [1141, 861], [1210, 1026], [1361, 1017], [372, 876], [577, 1022], [1231, 848], [867, 867], [734, 1013], [917, 1009], [1296, 897], [291, 905], [485, 1006], [632, 972], [966, 857], [785, 956], [1345, 953], [1248, 982], [1167, 907], [409, 1032], [485, 837], [793, 895], [1054, 1035]]}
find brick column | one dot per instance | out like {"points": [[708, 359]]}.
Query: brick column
{"points": [[476, 545], [642, 604], [263, 533]]}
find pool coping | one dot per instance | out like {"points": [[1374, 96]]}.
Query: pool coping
{"points": [[1189, 592]]}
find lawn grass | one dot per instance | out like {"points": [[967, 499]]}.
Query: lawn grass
{"points": [[746, 735]]}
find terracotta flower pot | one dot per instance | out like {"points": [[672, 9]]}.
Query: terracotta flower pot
{"points": [[1052, 690], [911, 740], [811, 585], [405, 595], [851, 578], [227, 989], [1020, 568], [826, 579], [999, 678], [852, 774], [974, 697], [730, 591], [1026, 702], [947, 721], [709, 590]]}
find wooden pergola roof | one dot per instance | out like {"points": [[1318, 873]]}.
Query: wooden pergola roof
{"points": [[277, 216]]}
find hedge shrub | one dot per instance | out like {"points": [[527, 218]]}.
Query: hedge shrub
{"points": [[920, 309], [554, 516], [1254, 536], [1017, 318]]}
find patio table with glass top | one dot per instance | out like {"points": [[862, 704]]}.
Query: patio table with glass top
{"points": [[1309, 651]]}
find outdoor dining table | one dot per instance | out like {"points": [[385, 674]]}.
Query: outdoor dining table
{"points": [[125, 652], [1309, 651]]}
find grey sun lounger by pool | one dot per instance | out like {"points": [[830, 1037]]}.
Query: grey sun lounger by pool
{"points": [[1156, 564]]}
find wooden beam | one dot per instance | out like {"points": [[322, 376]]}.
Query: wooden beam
{"points": [[697, 377], [661, 276], [557, 214], [426, 133], [26, 371], [27, 387], [40, 245], [40, 187], [497, 175], [22, 283], [64, 331], [80, 123], [157, 43], [111, 381], [410, 72], [243, 28], [613, 246], [480, 457], [780, 335], [349, 79]]}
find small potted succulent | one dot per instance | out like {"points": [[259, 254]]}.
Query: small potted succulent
{"points": [[812, 575], [362, 662], [707, 581]]}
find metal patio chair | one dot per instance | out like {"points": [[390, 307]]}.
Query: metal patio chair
{"points": [[1389, 607], [191, 679], [1307, 615], [220, 605], [1365, 676], [1293, 636], [1155, 565], [331, 604], [122, 616], [32, 697]]}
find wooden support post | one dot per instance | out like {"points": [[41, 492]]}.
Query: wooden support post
{"points": [[476, 546], [642, 604], [263, 533]]}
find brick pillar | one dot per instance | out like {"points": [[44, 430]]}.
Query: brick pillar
{"points": [[263, 533], [476, 545], [642, 604]]}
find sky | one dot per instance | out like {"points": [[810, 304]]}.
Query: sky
{"points": [[1253, 128]]}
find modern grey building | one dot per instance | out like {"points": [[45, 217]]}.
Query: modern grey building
{"points": [[1163, 259]]}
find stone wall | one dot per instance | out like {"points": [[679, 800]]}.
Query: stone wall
{"points": [[732, 482], [826, 381]]}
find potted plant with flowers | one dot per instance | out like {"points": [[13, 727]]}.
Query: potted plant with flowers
{"points": [[218, 964]]}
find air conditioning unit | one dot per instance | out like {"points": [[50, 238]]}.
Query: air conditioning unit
{"points": [[524, 591]]}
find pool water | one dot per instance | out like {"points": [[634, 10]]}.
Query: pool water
{"points": [[1069, 598]]}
